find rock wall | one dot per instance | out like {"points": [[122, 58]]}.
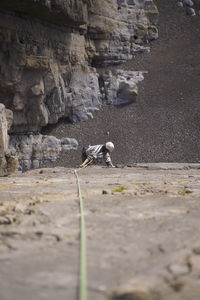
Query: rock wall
{"points": [[117, 29], [32, 150], [49, 51], [8, 163]]}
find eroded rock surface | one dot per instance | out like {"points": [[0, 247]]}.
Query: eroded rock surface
{"points": [[32, 150], [120, 87], [8, 163], [46, 68], [48, 51], [142, 227]]}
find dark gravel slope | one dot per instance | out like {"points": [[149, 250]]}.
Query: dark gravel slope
{"points": [[163, 125]]}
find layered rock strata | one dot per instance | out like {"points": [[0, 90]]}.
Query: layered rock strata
{"points": [[27, 151], [49, 51]]}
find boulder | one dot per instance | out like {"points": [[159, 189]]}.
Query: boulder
{"points": [[180, 4], [190, 11], [188, 3], [120, 87]]}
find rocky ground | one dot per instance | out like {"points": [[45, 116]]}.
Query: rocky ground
{"points": [[142, 221], [163, 125], [142, 233]]}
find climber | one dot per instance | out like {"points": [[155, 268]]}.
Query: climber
{"points": [[90, 153]]}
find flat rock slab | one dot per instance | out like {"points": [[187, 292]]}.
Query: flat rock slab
{"points": [[143, 231]]}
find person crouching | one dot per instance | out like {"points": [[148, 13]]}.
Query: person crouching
{"points": [[92, 153]]}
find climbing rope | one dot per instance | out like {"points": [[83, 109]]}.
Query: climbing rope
{"points": [[83, 256], [83, 247]]}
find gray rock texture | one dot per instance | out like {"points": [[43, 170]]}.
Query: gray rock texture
{"points": [[190, 11], [189, 3], [48, 48], [32, 150], [191, 7], [120, 87], [3, 130], [8, 163], [163, 124], [49, 51], [118, 31], [142, 227], [180, 4]]}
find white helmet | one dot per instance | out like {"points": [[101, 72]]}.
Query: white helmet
{"points": [[110, 146]]}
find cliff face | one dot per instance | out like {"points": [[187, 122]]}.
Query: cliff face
{"points": [[49, 50]]}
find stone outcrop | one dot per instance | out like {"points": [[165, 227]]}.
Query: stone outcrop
{"points": [[32, 150], [120, 87], [8, 163], [46, 61], [27, 151], [118, 31], [49, 51]]}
